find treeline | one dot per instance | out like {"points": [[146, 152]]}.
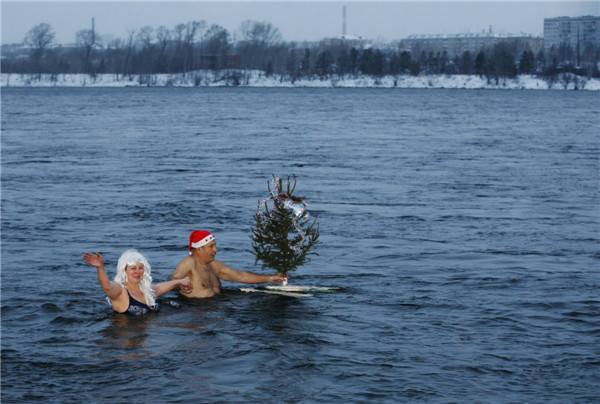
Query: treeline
{"points": [[258, 46]]}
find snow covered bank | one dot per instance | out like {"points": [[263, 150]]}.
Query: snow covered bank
{"points": [[258, 79]]}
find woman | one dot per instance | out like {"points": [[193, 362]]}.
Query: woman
{"points": [[132, 291]]}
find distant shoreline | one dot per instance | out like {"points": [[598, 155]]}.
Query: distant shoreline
{"points": [[258, 79]]}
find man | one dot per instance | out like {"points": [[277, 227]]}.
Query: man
{"points": [[205, 272]]}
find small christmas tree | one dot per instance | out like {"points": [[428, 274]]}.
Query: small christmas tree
{"points": [[283, 236]]}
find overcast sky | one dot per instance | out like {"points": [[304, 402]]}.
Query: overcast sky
{"points": [[296, 20]]}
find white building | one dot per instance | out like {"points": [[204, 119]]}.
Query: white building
{"points": [[571, 31], [455, 45]]}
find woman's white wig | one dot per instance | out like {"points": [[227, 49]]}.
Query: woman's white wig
{"points": [[132, 257]]}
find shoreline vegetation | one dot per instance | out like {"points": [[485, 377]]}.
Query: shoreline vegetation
{"points": [[257, 78]]}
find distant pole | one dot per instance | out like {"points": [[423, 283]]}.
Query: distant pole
{"points": [[344, 22], [577, 55], [93, 32]]}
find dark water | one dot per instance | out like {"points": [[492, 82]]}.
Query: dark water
{"points": [[463, 227]]}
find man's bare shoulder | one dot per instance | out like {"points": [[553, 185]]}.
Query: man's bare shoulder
{"points": [[217, 265], [183, 268], [187, 261]]}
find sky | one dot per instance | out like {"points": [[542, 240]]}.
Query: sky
{"points": [[296, 20]]}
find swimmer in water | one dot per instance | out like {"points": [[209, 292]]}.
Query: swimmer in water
{"points": [[132, 291], [206, 273]]}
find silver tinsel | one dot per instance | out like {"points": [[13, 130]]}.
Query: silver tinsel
{"points": [[299, 209]]}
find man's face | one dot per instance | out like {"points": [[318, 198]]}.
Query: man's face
{"points": [[206, 253]]}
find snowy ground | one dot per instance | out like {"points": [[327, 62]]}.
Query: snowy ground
{"points": [[258, 79]]}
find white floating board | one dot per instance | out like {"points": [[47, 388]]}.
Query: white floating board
{"points": [[275, 292], [289, 290], [304, 289]]}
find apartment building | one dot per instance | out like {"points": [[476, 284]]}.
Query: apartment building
{"points": [[575, 32], [456, 45]]}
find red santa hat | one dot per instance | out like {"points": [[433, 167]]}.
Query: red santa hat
{"points": [[199, 238]]}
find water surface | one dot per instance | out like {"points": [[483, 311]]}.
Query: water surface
{"points": [[462, 226]]}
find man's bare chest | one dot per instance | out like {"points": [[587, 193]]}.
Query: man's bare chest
{"points": [[205, 277]]}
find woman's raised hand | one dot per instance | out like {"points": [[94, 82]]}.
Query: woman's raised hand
{"points": [[94, 260]]}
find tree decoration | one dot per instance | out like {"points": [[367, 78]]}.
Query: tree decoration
{"points": [[284, 233]]}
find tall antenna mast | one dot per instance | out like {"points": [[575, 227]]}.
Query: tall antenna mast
{"points": [[344, 22]]}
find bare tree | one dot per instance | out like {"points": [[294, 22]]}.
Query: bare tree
{"points": [[163, 35], [113, 56], [589, 60], [179, 37], [192, 34], [185, 37], [256, 40], [144, 38], [259, 32], [217, 46], [86, 39], [127, 68], [39, 38]]}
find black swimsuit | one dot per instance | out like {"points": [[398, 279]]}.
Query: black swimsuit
{"points": [[137, 308]]}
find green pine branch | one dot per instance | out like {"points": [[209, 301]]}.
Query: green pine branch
{"points": [[276, 241]]}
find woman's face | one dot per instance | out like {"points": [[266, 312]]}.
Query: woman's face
{"points": [[135, 272]]}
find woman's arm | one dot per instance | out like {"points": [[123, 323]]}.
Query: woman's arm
{"points": [[164, 287], [112, 289]]}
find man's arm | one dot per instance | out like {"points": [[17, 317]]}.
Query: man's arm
{"points": [[229, 274]]}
